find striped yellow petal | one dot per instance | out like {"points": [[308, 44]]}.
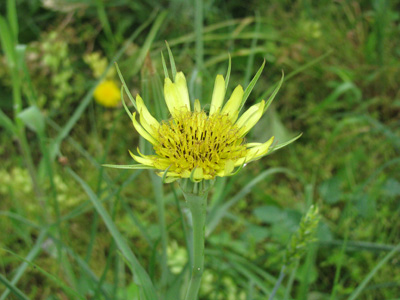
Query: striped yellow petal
{"points": [[231, 107], [218, 95], [142, 131], [180, 83], [250, 118]]}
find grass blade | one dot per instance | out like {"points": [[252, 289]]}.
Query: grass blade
{"points": [[104, 20], [12, 18], [137, 269], [148, 42], [250, 59], [13, 288], [50, 276], [6, 122], [371, 274], [31, 255], [7, 41]]}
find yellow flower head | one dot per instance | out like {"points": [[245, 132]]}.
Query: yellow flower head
{"points": [[194, 144], [107, 93]]}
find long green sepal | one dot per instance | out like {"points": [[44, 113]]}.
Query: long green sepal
{"points": [[125, 87], [279, 146], [276, 90], [251, 85], [130, 167], [171, 61]]}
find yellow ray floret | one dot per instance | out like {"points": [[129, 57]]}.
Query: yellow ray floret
{"points": [[194, 144]]}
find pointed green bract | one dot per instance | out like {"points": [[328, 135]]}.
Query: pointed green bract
{"points": [[279, 146], [228, 72], [124, 104], [125, 87], [130, 167], [171, 61], [276, 90], [251, 85], [164, 66]]}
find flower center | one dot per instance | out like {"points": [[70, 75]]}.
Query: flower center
{"points": [[194, 140]]}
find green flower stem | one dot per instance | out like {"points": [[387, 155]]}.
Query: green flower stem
{"points": [[197, 204]]}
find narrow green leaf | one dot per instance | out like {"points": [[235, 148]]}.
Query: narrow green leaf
{"points": [[129, 167], [6, 122], [50, 276], [7, 41], [309, 64], [276, 90], [139, 272], [228, 72], [371, 274], [31, 255], [101, 12], [17, 292], [164, 66], [251, 85], [171, 61], [253, 47], [144, 50], [12, 18]]}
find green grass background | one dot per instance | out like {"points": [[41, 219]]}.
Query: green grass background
{"points": [[71, 229]]}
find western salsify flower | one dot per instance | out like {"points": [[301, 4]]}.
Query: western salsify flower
{"points": [[198, 146], [194, 144]]}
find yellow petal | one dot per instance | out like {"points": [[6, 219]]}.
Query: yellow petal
{"points": [[250, 118], [231, 107], [180, 82], [218, 95], [229, 167], [168, 178], [259, 151], [142, 131], [173, 98], [198, 174], [146, 119], [142, 160]]}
